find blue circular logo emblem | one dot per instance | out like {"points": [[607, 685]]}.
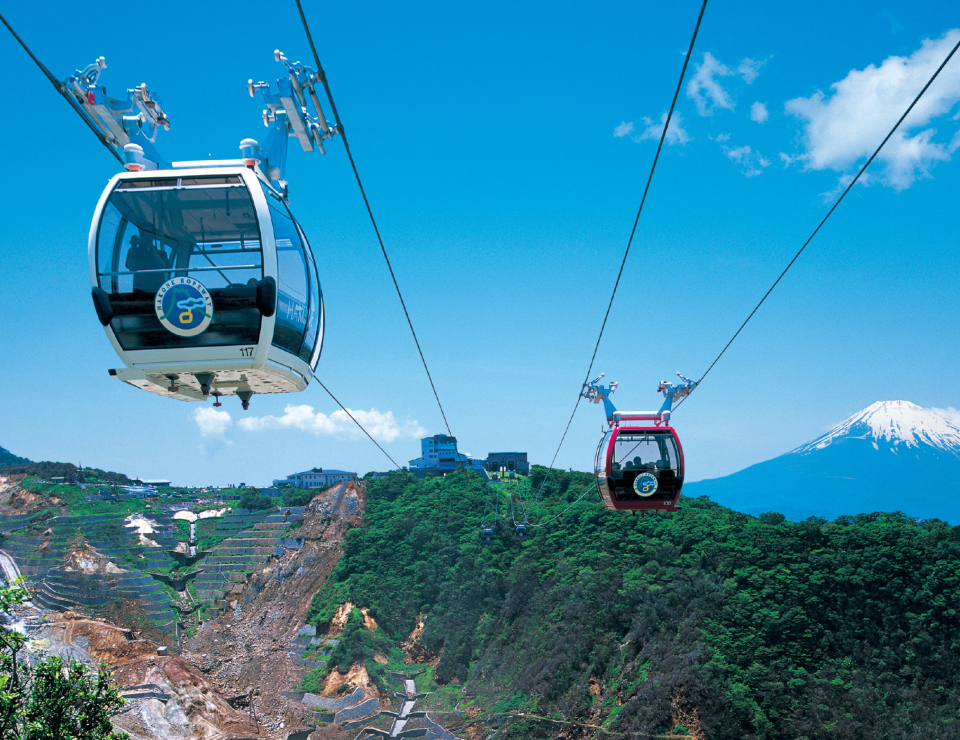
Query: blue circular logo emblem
{"points": [[184, 306], [645, 484]]}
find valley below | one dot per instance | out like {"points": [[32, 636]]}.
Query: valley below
{"points": [[374, 610]]}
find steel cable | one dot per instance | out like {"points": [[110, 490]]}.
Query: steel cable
{"points": [[346, 145], [824, 220], [557, 516], [354, 420], [62, 90]]}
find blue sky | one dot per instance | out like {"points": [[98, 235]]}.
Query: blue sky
{"points": [[504, 148]]}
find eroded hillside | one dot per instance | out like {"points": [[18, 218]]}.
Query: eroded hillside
{"points": [[247, 651], [220, 664]]}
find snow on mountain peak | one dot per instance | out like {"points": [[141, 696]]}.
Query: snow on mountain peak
{"points": [[895, 422]]}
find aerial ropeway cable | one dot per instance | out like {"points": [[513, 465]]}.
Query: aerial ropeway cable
{"points": [[346, 145]]}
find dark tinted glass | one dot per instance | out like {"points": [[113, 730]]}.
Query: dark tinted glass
{"points": [[211, 234], [293, 300], [311, 337]]}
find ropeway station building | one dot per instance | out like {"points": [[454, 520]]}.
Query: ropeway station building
{"points": [[314, 478]]}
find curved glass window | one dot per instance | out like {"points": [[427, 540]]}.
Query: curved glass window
{"points": [[311, 338], [293, 290], [644, 451], [152, 230], [299, 300], [637, 452]]}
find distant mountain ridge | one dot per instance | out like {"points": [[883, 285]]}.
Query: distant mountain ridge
{"points": [[8, 458], [891, 456]]}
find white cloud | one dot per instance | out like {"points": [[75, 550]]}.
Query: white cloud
{"points": [[212, 423], [749, 70], [948, 413], [841, 130], [703, 88], [383, 427], [676, 134], [623, 129], [753, 163], [722, 138], [759, 112]]}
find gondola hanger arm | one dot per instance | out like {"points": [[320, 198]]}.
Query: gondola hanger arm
{"points": [[597, 393], [130, 126]]}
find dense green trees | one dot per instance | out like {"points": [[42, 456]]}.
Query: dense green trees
{"points": [[253, 501], [754, 627], [7, 458], [55, 699]]}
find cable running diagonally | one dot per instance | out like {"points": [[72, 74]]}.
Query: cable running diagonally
{"points": [[353, 419], [824, 220], [346, 146], [633, 231], [61, 89], [557, 516]]}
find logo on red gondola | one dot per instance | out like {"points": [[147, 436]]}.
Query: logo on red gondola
{"points": [[184, 306], [645, 484]]}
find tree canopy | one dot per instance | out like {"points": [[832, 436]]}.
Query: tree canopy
{"points": [[56, 699], [755, 626]]}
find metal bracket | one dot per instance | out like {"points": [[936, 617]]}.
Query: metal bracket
{"points": [[288, 114], [595, 392], [135, 120], [673, 393]]}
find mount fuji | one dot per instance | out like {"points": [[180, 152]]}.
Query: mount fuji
{"points": [[891, 456]]}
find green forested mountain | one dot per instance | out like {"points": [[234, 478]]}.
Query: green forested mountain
{"points": [[8, 458], [745, 627]]}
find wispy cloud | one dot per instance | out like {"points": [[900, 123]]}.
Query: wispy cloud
{"points": [[759, 112], [842, 129], [676, 134], [749, 69], [382, 426], [752, 162], [212, 423], [705, 90], [948, 413]]}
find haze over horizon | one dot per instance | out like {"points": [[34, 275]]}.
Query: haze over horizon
{"points": [[504, 150]]}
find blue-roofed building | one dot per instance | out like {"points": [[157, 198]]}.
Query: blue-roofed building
{"points": [[315, 478]]}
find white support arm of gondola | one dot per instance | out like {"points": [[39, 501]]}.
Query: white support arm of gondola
{"points": [[135, 120], [594, 391], [288, 114], [597, 393]]}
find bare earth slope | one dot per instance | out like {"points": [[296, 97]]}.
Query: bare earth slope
{"points": [[244, 653]]}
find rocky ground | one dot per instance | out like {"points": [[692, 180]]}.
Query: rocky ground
{"points": [[245, 652]]}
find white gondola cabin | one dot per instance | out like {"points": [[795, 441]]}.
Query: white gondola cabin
{"points": [[203, 280], [205, 283]]}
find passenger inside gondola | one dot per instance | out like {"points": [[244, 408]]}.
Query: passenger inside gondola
{"points": [[201, 228], [648, 452], [144, 260]]}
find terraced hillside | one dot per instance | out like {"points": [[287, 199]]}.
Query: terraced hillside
{"points": [[252, 538], [84, 562]]}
